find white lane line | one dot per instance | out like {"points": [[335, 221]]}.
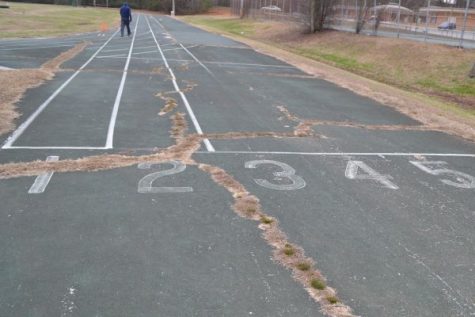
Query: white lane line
{"points": [[34, 48], [207, 143], [5, 68], [115, 110], [42, 180], [197, 60], [146, 52], [57, 148], [125, 49], [18, 132], [112, 56], [248, 64], [342, 153]]}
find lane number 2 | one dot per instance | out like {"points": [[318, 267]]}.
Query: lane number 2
{"points": [[462, 180], [145, 184], [287, 172]]}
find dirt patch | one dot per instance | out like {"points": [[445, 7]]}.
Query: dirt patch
{"points": [[14, 83], [170, 104], [304, 126]]}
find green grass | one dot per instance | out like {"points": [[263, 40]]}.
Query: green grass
{"points": [[335, 59], [33, 20], [457, 88]]}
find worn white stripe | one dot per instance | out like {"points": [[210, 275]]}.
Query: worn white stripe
{"points": [[18, 132], [207, 143], [115, 110], [42, 180], [125, 49], [344, 153], [34, 47], [56, 148], [248, 64], [197, 60]]}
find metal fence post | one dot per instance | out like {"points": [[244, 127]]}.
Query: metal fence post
{"points": [[464, 23], [427, 21], [398, 17]]}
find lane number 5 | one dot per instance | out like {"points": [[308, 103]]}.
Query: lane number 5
{"points": [[462, 180]]}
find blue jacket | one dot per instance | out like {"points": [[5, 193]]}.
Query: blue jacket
{"points": [[125, 13]]}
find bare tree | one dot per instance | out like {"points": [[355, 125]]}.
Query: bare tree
{"points": [[361, 13], [318, 13]]}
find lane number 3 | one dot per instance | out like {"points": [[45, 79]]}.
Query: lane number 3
{"points": [[287, 172]]}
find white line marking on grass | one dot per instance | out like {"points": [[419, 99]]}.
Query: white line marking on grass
{"points": [[18, 132], [197, 60], [42, 180], [115, 110], [207, 143], [342, 153]]}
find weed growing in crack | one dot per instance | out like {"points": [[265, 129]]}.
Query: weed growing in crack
{"points": [[251, 209], [317, 284], [332, 299], [303, 266], [289, 250], [266, 220]]}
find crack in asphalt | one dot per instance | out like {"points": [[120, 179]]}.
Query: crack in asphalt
{"points": [[245, 204]]}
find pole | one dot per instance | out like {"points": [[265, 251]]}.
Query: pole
{"points": [[173, 8], [464, 24], [427, 21], [398, 17], [375, 15]]}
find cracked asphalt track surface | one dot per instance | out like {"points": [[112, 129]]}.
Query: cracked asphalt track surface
{"points": [[388, 216]]}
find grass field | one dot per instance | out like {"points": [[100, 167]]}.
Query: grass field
{"points": [[33, 20], [435, 70]]}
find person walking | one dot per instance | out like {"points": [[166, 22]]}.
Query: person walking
{"points": [[125, 18]]}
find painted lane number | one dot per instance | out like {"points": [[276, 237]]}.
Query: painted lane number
{"points": [[352, 168], [287, 172], [436, 168], [145, 184]]}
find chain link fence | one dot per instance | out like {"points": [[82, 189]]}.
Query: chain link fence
{"points": [[417, 20]]}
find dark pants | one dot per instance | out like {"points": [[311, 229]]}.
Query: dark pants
{"points": [[124, 23]]}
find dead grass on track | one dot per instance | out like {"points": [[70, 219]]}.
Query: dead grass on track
{"points": [[16, 82], [245, 204]]}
